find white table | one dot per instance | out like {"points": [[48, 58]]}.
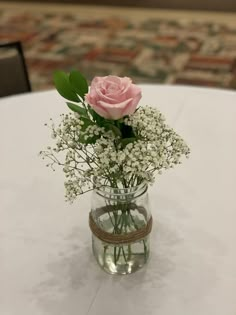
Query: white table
{"points": [[46, 264]]}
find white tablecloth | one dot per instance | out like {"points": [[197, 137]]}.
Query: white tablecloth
{"points": [[46, 263]]}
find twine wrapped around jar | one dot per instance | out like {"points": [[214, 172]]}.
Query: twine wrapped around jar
{"points": [[127, 238]]}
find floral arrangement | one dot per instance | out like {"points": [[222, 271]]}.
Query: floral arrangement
{"points": [[107, 139]]}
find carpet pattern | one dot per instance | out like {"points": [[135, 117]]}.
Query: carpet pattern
{"points": [[149, 51]]}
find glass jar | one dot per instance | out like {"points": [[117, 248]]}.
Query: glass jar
{"points": [[121, 222]]}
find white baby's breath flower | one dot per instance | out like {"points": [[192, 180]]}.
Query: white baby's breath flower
{"points": [[89, 151]]}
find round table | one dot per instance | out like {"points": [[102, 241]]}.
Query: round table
{"points": [[46, 262]]}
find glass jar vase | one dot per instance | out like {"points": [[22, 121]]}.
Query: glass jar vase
{"points": [[121, 222]]}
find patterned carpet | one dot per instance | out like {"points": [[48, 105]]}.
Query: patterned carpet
{"points": [[149, 51]]}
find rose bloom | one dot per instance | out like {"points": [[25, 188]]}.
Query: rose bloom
{"points": [[113, 97]]}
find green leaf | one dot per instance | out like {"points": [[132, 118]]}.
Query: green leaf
{"points": [[126, 141], [87, 122], [99, 119], [75, 108], [81, 139], [91, 111], [114, 129], [127, 131], [91, 140], [78, 83], [63, 86]]}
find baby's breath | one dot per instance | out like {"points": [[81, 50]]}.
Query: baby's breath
{"points": [[93, 152]]}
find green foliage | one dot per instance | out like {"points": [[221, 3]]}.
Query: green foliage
{"points": [[91, 140], [72, 86], [126, 141], [113, 128], [63, 86], [127, 131], [78, 83], [86, 122], [97, 118], [78, 109]]}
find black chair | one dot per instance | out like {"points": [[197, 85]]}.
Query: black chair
{"points": [[13, 72]]}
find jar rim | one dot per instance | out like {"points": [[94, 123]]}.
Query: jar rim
{"points": [[135, 191]]}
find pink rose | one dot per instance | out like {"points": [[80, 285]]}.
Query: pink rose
{"points": [[113, 97]]}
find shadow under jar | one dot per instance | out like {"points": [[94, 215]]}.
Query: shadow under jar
{"points": [[121, 222]]}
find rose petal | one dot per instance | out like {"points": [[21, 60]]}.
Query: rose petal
{"points": [[113, 97]]}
